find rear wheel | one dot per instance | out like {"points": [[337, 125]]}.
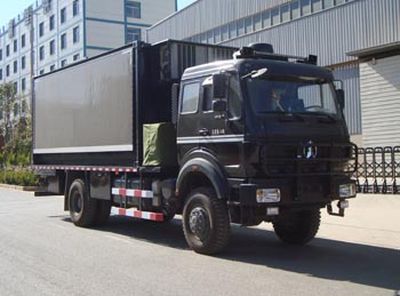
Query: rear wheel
{"points": [[82, 208], [206, 222], [298, 227]]}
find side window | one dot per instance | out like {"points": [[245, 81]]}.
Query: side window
{"points": [[190, 98], [207, 94], [207, 97], [234, 101]]}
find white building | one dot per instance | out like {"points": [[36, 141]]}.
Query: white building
{"points": [[65, 31]]}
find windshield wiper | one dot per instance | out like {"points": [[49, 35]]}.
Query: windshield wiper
{"points": [[328, 116]]}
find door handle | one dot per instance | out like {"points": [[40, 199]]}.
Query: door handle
{"points": [[204, 132]]}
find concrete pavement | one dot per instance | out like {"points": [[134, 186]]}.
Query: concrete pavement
{"points": [[43, 253]]}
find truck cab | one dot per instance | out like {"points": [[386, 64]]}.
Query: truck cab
{"points": [[266, 133]]}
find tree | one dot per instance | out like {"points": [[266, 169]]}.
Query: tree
{"points": [[16, 128], [8, 98]]}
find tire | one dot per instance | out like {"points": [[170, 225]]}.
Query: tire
{"points": [[82, 208], [206, 222], [102, 212], [298, 228]]}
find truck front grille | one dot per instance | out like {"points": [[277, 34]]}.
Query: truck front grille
{"points": [[308, 159]]}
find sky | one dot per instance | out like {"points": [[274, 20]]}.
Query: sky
{"points": [[11, 8]]}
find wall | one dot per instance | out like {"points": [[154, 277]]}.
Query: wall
{"points": [[380, 92]]}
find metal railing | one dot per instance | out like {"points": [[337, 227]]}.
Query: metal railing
{"points": [[378, 170]]}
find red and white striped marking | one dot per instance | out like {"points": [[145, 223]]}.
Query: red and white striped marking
{"points": [[159, 217], [86, 168], [132, 192]]}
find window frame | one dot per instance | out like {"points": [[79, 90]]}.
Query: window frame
{"points": [[192, 82], [41, 29], [76, 35], [63, 15], [63, 40], [52, 22], [75, 8], [131, 7]]}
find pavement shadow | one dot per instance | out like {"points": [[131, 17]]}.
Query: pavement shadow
{"points": [[322, 258]]}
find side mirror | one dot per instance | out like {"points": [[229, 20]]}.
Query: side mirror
{"points": [[219, 105], [340, 97], [219, 86]]}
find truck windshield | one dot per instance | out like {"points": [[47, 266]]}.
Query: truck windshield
{"points": [[308, 96]]}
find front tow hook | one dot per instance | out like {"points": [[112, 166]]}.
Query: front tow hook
{"points": [[341, 205]]}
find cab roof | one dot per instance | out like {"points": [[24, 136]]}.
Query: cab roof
{"points": [[244, 66]]}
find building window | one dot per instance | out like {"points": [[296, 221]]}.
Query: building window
{"points": [[76, 34], [217, 35], [294, 6], [15, 67], [249, 24], [63, 63], [316, 5], [41, 53], [16, 107], [276, 19], [23, 40], [224, 33], [15, 45], [133, 9], [41, 72], [23, 63], [75, 8], [63, 15], [52, 23], [41, 29], [133, 34], [266, 19], [285, 13], [257, 22], [210, 37], [232, 30], [240, 26], [338, 2], [305, 7], [52, 68], [329, 3], [23, 106], [1, 74], [52, 47], [7, 50], [8, 70], [76, 57], [1, 54], [64, 41], [23, 84]]}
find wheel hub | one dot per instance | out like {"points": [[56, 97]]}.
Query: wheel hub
{"points": [[199, 223], [77, 203]]}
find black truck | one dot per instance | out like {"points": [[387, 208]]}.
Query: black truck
{"points": [[217, 134]]}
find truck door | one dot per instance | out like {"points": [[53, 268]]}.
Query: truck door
{"points": [[188, 120], [216, 130]]}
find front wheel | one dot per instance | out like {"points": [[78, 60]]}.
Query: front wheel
{"points": [[206, 222], [298, 227]]}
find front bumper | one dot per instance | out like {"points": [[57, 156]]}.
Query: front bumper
{"points": [[296, 191]]}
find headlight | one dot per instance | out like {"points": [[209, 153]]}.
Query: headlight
{"points": [[347, 190], [268, 195]]}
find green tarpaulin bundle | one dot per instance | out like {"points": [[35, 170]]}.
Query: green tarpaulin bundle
{"points": [[159, 145]]}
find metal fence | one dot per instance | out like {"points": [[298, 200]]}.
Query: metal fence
{"points": [[378, 170]]}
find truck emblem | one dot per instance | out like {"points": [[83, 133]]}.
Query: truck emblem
{"points": [[310, 151]]}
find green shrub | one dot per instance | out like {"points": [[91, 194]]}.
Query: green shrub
{"points": [[22, 177]]}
